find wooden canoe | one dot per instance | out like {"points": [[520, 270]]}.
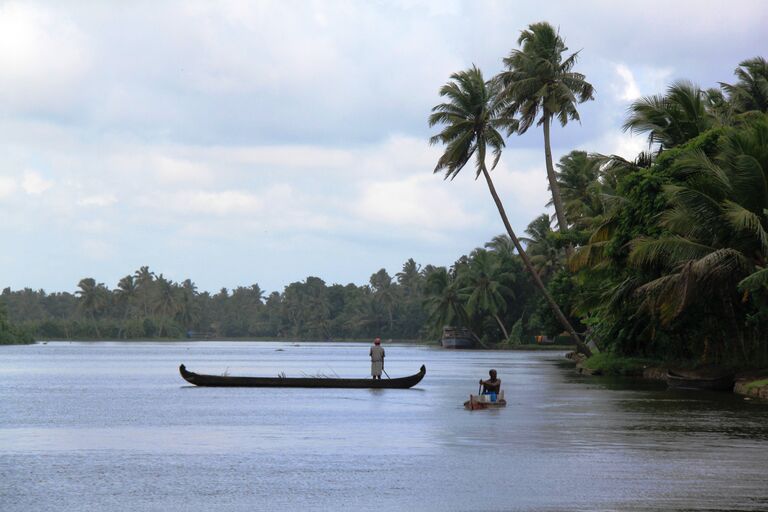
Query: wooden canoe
{"points": [[476, 402], [683, 379], [301, 382]]}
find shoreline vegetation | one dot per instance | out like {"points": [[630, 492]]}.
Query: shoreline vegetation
{"points": [[750, 381], [658, 257]]}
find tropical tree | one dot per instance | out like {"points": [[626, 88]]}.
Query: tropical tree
{"points": [[502, 245], [673, 118], [410, 278], [472, 116], [125, 295], [443, 300], [165, 302], [486, 289], [539, 85], [144, 279], [578, 176], [187, 307], [713, 256], [384, 294], [542, 246], [750, 92], [93, 299]]}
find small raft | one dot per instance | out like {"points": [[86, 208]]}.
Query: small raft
{"points": [[476, 402]]}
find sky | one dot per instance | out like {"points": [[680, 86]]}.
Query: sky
{"points": [[241, 142]]}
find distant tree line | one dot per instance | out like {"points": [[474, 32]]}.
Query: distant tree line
{"points": [[486, 290]]}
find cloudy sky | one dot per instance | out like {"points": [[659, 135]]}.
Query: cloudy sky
{"points": [[241, 142]]}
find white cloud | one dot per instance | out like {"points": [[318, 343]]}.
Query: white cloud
{"points": [[192, 202], [7, 186], [629, 90], [623, 144], [43, 58], [98, 250], [34, 184], [417, 203], [282, 124], [98, 200], [176, 170]]}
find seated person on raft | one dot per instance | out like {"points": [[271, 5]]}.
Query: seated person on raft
{"points": [[491, 386]]}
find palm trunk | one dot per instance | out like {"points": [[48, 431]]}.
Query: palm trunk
{"points": [[122, 324], [580, 346], [557, 200], [498, 321], [95, 325]]}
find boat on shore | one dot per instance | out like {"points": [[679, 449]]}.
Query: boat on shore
{"points": [[700, 379], [300, 382], [457, 337], [477, 402]]}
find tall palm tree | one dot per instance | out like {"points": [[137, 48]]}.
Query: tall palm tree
{"points": [[165, 303], [144, 284], [443, 301], [93, 299], [578, 176], [385, 294], [539, 85], [472, 116], [543, 249], [188, 308], [750, 92], [673, 118], [502, 245], [410, 277], [486, 289], [126, 295]]}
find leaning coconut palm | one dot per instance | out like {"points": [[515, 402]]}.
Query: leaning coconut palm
{"points": [[540, 84], [472, 118], [673, 118], [750, 92]]}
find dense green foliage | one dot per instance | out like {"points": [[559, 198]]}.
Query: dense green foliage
{"points": [[11, 334], [486, 290], [672, 264]]}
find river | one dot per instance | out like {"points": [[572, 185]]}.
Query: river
{"points": [[112, 427]]}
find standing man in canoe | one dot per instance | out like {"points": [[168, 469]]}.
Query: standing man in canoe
{"points": [[377, 359]]}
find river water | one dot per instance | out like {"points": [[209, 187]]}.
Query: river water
{"points": [[112, 426]]}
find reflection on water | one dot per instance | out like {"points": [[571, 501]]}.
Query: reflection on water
{"points": [[110, 426]]}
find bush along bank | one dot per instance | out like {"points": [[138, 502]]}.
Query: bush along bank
{"points": [[750, 383]]}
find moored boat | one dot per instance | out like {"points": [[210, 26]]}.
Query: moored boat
{"points": [[692, 379], [457, 337], [476, 402], [300, 382]]}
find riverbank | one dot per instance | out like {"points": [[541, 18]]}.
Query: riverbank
{"points": [[749, 383]]}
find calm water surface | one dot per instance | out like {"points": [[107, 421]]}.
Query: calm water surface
{"points": [[110, 426]]}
